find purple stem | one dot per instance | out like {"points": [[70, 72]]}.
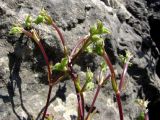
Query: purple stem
{"points": [[114, 84], [119, 105], [60, 35], [123, 76], [95, 96], [146, 116], [80, 97], [78, 45], [47, 103], [94, 100]]}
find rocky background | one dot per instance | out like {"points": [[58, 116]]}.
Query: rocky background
{"points": [[134, 25]]}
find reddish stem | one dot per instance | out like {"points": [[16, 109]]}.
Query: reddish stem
{"points": [[78, 45], [146, 116], [94, 100], [80, 97], [114, 84], [47, 103], [123, 76], [60, 35], [95, 96], [47, 61], [119, 105], [113, 77]]}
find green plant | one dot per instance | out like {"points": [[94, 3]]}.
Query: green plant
{"points": [[93, 44]]}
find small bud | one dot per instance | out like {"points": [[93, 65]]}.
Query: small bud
{"points": [[126, 58], [28, 21], [95, 38], [93, 30], [39, 19], [48, 19], [99, 49], [89, 75], [16, 30], [62, 66], [89, 86], [99, 26]]}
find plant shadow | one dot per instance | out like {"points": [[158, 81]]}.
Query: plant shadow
{"points": [[60, 93], [16, 81]]}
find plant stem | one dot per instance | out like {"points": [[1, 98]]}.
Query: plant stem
{"points": [[119, 105], [81, 41], [85, 42], [47, 62], [47, 103], [123, 76], [113, 77], [61, 37], [96, 95], [114, 84], [146, 116], [94, 100], [80, 97]]}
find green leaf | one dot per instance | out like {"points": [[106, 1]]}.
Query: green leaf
{"points": [[28, 21], [89, 81], [16, 30]]}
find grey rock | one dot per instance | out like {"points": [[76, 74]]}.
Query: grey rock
{"points": [[23, 78]]}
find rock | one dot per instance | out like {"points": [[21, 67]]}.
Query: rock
{"points": [[23, 77]]}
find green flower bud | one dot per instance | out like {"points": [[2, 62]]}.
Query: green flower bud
{"points": [[62, 66], [95, 38], [39, 19], [28, 21], [16, 30], [47, 18], [99, 50], [89, 86], [89, 76]]}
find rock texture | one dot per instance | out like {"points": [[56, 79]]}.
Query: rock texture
{"points": [[134, 26]]}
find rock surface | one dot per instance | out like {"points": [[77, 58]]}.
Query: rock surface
{"points": [[134, 26]]}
